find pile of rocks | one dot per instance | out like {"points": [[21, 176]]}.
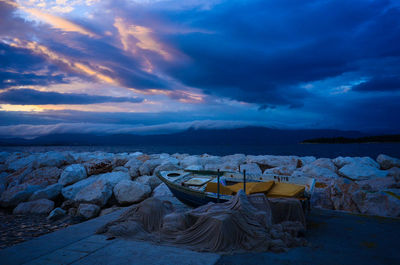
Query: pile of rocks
{"points": [[82, 184]]}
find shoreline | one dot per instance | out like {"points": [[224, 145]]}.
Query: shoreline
{"points": [[88, 184]]}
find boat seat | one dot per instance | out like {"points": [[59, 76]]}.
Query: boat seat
{"points": [[286, 190]]}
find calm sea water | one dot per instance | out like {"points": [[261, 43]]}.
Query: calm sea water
{"points": [[317, 150]]}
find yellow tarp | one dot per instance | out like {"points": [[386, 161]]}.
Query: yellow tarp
{"points": [[281, 189], [213, 187], [251, 187]]}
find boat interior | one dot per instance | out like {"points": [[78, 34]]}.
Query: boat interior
{"points": [[231, 182]]}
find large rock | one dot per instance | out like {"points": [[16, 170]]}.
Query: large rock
{"points": [[162, 190], [315, 171], [17, 177], [53, 159], [342, 161], [321, 198], [395, 173], [121, 169], [167, 167], [379, 184], [284, 170], [98, 166], [341, 192], [113, 178], [269, 161], [97, 193], [17, 194], [387, 162], [41, 206], [120, 160], [307, 160], [251, 169], [358, 171], [190, 161], [128, 192], [21, 162], [133, 165], [88, 211], [50, 192], [72, 173], [151, 181], [382, 203], [147, 168], [2, 188], [3, 157], [44, 176], [56, 214]]}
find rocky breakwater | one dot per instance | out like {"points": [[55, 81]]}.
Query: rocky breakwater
{"points": [[88, 184]]}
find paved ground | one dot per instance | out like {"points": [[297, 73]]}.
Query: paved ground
{"points": [[335, 238]]}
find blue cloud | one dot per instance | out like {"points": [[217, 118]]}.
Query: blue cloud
{"points": [[34, 97]]}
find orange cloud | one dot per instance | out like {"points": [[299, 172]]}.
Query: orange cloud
{"points": [[53, 56], [143, 38], [54, 21]]}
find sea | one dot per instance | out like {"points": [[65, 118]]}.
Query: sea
{"points": [[317, 150]]}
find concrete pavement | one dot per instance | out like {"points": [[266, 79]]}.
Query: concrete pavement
{"points": [[334, 238]]}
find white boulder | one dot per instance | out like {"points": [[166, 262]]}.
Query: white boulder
{"points": [[113, 178], [71, 174], [97, 193], [387, 162], [342, 161], [167, 167], [251, 169], [395, 173], [270, 161], [41, 206], [190, 161], [128, 192], [147, 168], [359, 171], [382, 203], [378, 184], [162, 190], [151, 181], [133, 165], [283, 170]]}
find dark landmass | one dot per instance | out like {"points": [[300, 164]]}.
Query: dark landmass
{"points": [[395, 138], [239, 136]]}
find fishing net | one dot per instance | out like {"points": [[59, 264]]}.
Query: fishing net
{"points": [[245, 223]]}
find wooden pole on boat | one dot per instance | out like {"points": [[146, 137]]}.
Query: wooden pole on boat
{"points": [[244, 180], [218, 186]]}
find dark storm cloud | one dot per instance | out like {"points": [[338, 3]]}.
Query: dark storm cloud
{"points": [[34, 97], [391, 83], [262, 51]]}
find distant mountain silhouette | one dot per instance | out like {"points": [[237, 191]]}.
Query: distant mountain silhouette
{"points": [[239, 136], [368, 139]]}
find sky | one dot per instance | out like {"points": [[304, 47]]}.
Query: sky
{"points": [[155, 66]]}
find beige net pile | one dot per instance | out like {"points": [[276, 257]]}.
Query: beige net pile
{"points": [[245, 223]]}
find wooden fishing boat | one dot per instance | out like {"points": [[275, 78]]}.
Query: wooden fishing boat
{"points": [[197, 188]]}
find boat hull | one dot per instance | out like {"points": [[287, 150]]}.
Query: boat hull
{"points": [[193, 199]]}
